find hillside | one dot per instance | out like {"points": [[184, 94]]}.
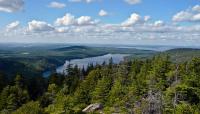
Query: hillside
{"points": [[140, 86], [13, 67], [49, 57], [182, 54]]}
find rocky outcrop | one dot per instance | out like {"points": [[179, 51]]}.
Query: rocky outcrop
{"points": [[93, 107]]}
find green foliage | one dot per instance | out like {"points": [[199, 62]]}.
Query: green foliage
{"points": [[72, 79], [151, 86], [49, 97], [87, 86], [185, 108], [100, 94], [116, 94], [12, 97], [30, 108], [36, 86]]}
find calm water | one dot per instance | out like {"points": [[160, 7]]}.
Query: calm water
{"points": [[117, 58]]}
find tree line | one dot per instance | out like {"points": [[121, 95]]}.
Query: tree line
{"points": [[151, 86]]}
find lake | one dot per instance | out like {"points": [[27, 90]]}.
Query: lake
{"points": [[117, 58]]}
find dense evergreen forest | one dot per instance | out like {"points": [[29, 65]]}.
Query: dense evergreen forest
{"points": [[151, 86]]}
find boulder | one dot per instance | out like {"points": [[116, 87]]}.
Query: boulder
{"points": [[93, 107]]}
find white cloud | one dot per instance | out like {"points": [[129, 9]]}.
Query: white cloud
{"points": [[182, 16], [39, 26], [196, 17], [103, 13], [68, 19], [196, 8], [132, 20], [56, 5], [62, 29], [12, 26], [189, 15], [11, 5], [136, 29], [85, 20], [74, 0], [114, 33], [87, 1], [132, 2], [147, 18], [158, 23]]}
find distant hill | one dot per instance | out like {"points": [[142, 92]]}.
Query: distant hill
{"points": [[13, 67], [71, 48], [35, 59], [183, 50], [104, 49], [182, 54]]}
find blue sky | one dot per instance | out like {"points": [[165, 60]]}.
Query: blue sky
{"points": [[37, 9], [127, 16]]}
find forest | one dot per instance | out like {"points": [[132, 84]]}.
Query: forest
{"points": [[34, 60], [152, 86], [99, 56]]}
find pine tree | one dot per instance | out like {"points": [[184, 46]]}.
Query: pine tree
{"points": [[12, 97], [30, 108], [101, 92]]}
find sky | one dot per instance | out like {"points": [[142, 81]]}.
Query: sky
{"points": [[137, 22]]}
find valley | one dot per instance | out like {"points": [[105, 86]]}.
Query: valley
{"points": [[56, 75]]}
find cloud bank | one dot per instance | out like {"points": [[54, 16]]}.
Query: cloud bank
{"points": [[135, 29], [69, 19], [11, 5], [189, 15]]}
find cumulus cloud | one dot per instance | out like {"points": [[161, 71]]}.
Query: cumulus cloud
{"points": [[135, 19], [85, 20], [85, 29], [196, 17], [189, 15], [62, 29], [87, 1], [182, 16], [103, 13], [196, 8], [56, 5], [69, 19], [158, 23], [11, 5], [12, 26], [74, 0], [132, 2], [39, 26], [147, 18]]}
